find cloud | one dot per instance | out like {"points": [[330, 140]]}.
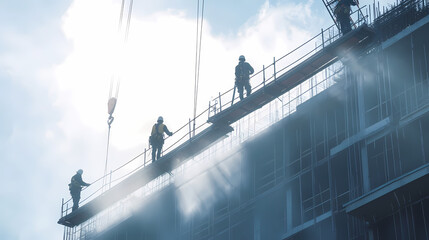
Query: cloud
{"points": [[156, 66], [156, 69], [62, 70]]}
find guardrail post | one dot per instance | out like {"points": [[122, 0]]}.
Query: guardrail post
{"points": [[220, 103], [62, 207], [274, 64], [190, 129], [263, 73], [110, 181], [144, 157], [210, 108], [323, 39]]}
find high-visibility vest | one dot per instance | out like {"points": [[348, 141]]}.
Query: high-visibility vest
{"points": [[158, 132]]}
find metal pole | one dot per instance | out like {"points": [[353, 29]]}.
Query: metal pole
{"points": [[323, 39], [263, 73], [62, 207], [274, 64], [193, 131], [144, 158], [220, 102], [233, 94], [110, 182], [210, 108], [190, 129]]}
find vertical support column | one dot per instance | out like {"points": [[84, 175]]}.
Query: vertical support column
{"points": [[323, 39], [144, 157], [210, 108], [274, 65], [289, 210], [62, 207], [361, 122], [110, 181], [220, 102], [256, 229], [263, 74], [414, 71], [190, 130], [426, 61]]}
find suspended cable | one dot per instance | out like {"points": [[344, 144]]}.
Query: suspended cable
{"points": [[130, 9], [121, 15], [196, 54], [198, 44], [113, 99]]}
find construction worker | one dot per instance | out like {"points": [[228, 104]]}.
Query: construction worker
{"points": [[75, 188], [157, 138], [242, 72], [342, 13]]}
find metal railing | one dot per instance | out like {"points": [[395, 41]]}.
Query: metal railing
{"points": [[285, 63], [198, 124]]}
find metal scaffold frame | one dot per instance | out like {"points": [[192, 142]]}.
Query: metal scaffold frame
{"points": [[287, 102]]}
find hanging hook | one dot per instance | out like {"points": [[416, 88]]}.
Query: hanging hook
{"points": [[110, 120]]}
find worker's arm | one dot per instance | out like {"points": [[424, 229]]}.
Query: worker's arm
{"points": [[237, 72], [251, 70], [167, 131], [81, 182]]}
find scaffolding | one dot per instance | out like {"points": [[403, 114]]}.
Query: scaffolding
{"points": [[321, 203]]}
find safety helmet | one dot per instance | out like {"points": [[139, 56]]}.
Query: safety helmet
{"points": [[160, 119], [242, 58], [80, 171]]}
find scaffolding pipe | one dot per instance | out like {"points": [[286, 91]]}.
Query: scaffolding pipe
{"points": [[190, 130], [263, 74], [323, 39], [220, 102], [274, 65]]}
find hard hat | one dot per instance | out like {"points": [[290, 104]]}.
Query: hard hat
{"points": [[242, 58], [80, 171], [160, 119]]}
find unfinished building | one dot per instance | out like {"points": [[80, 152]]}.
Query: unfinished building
{"points": [[341, 155]]}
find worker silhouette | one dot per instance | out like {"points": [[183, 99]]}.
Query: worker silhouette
{"points": [[156, 138], [342, 13], [242, 72], [75, 188]]}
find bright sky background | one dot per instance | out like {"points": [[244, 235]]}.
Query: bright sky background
{"points": [[56, 62]]}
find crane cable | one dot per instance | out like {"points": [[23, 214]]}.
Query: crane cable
{"points": [[198, 44], [112, 100]]}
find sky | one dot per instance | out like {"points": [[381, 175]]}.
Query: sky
{"points": [[57, 59]]}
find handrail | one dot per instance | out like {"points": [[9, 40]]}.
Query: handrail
{"points": [[185, 134], [324, 42]]}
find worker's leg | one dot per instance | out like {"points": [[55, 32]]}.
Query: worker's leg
{"points": [[76, 199], [240, 89], [248, 88], [153, 152], [344, 20], [159, 151]]}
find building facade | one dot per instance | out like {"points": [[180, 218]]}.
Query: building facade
{"points": [[350, 163]]}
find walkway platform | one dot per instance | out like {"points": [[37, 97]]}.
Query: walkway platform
{"points": [[140, 178], [354, 42]]}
